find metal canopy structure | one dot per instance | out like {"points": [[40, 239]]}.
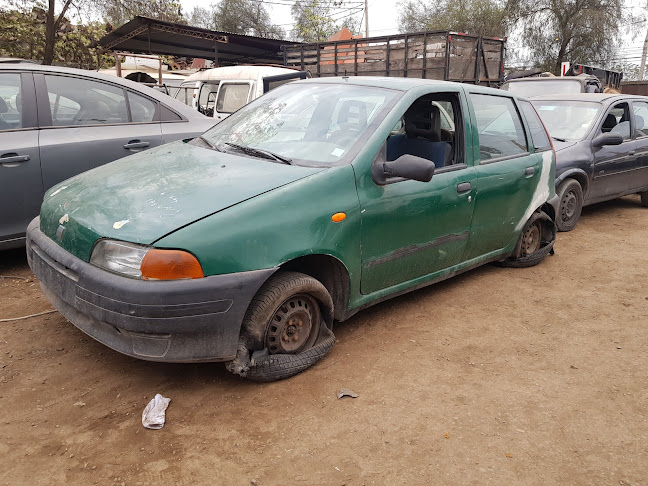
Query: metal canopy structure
{"points": [[151, 36]]}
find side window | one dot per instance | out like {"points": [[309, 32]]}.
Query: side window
{"points": [[10, 101], [640, 110], [231, 97], [142, 109], [206, 98], [77, 101], [617, 120], [429, 129], [185, 93], [499, 126], [539, 135]]}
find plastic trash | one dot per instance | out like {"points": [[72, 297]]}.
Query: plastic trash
{"points": [[154, 414], [345, 392]]}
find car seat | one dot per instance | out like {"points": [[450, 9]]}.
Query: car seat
{"points": [[609, 123], [422, 135]]}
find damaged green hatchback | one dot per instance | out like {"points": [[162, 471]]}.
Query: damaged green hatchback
{"points": [[315, 201]]}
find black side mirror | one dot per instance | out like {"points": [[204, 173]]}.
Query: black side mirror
{"points": [[607, 139], [405, 167]]}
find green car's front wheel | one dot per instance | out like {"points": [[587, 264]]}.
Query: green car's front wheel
{"points": [[286, 328]]}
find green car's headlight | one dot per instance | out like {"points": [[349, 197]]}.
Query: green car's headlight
{"points": [[119, 257], [143, 262]]}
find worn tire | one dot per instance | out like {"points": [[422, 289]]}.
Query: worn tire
{"points": [[570, 194], [255, 330], [644, 199], [548, 238], [280, 366]]}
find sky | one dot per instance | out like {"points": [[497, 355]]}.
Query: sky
{"points": [[383, 14], [383, 20]]}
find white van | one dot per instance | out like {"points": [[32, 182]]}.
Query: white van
{"points": [[221, 91]]}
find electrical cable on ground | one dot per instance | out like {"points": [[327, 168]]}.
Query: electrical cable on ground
{"points": [[29, 316]]}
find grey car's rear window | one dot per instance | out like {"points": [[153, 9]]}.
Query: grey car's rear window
{"points": [[535, 88]]}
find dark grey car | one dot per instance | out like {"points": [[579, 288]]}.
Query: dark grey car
{"points": [[57, 122], [601, 143]]}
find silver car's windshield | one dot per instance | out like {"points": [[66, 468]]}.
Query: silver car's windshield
{"points": [[567, 120], [307, 124], [550, 87]]}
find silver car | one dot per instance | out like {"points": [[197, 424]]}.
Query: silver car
{"points": [[57, 122]]}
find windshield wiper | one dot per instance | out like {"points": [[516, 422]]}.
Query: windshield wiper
{"points": [[559, 139], [266, 154], [209, 144]]}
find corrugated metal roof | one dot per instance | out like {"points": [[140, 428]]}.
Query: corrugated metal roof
{"points": [[151, 36]]}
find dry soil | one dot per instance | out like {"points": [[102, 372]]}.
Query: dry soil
{"points": [[497, 377]]}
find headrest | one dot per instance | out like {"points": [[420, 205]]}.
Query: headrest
{"points": [[639, 122], [3, 106], [354, 112], [423, 119]]}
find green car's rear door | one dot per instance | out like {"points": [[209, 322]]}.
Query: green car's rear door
{"points": [[511, 182]]}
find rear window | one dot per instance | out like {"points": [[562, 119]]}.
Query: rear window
{"points": [[539, 135], [501, 134], [534, 88]]}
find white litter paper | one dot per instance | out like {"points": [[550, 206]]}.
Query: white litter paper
{"points": [[154, 414]]}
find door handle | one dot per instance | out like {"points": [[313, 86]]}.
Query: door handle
{"points": [[632, 152], [13, 158], [529, 171], [135, 144], [463, 187]]}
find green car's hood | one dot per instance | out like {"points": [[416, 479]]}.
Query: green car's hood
{"points": [[149, 195]]}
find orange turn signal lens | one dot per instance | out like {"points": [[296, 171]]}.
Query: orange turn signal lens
{"points": [[170, 265], [337, 217]]}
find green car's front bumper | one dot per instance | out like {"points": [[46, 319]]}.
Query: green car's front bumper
{"points": [[172, 320]]}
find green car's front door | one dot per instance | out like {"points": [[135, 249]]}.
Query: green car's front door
{"points": [[411, 229]]}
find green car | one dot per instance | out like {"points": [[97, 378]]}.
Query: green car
{"points": [[317, 200]]}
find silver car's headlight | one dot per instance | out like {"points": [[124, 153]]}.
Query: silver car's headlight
{"points": [[119, 257]]}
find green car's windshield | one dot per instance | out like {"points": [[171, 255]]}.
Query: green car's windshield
{"points": [[567, 120], [305, 124]]}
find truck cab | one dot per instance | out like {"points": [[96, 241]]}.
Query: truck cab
{"points": [[219, 92]]}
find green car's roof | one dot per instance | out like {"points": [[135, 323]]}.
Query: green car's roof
{"points": [[402, 84]]}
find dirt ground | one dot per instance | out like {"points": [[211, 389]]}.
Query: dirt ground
{"points": [[497, 377]]}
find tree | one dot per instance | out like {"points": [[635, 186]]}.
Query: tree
{"points": [[23, 34], [553, 31], [53, 24], [248, 17], [314, 20], [118, 12], [478, 17]]}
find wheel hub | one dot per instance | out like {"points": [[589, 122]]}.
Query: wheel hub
{"points": [[291, 325], [568, 206], [531, 240]]}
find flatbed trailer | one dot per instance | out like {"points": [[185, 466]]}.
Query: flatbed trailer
{"points": [[443, 55]]}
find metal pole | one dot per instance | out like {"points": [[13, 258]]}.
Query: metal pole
{"points": [[366, 18], [643, 59]]}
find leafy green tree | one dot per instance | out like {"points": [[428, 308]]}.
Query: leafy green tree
{"points": [[23, 34], [478, 17], [118, 12], [314, 20], [248, 17], [553, 31]]}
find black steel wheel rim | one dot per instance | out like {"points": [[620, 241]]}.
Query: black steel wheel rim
{"points": [[292, 325], [531, 239]]}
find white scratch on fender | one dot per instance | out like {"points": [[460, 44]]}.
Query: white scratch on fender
{"points": [[541, 193]]}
